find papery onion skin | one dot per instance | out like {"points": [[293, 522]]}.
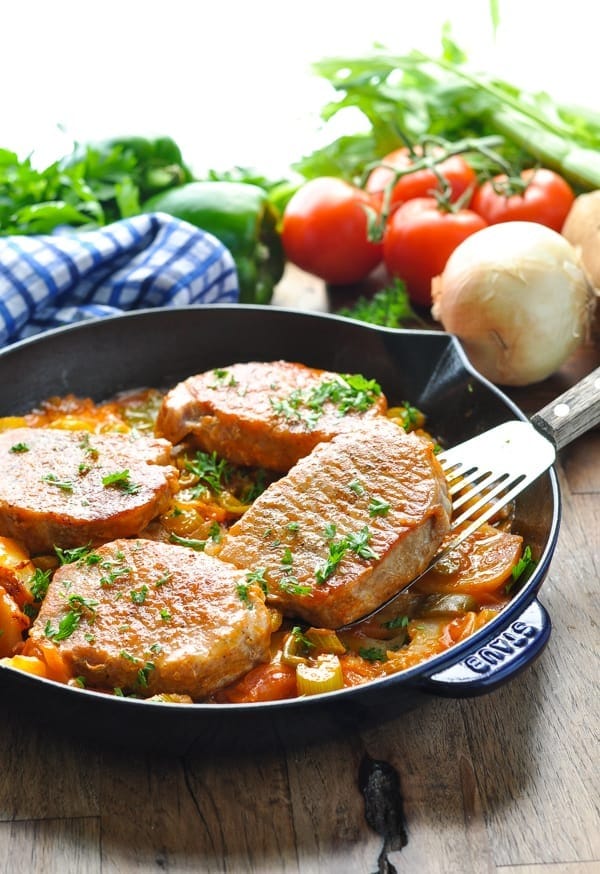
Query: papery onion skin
{"points": [[517, 298]]}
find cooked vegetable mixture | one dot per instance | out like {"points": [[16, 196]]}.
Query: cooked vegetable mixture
{"points": [[181, 610]]}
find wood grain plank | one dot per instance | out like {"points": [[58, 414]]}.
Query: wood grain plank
{"points": [[43, 775], [592, 867], [581, 464], [50, 846], [535, 741], [445, 820]]}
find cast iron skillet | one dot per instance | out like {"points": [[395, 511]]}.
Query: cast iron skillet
{"points": [[160, 347]]}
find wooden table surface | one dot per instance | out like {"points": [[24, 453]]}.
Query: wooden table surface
{"points": [[506, 783]]}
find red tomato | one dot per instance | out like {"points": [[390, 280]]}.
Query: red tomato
{"points": [[546, 200], [421, 183], [325, 231], [419, 239]]}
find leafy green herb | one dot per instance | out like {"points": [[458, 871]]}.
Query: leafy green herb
{"points": [[165, 615], [53, 480], [522, 570], [396, 622], [212, 472], [90, 450], [162, 580], [291, 586], [19, 447], [357, 487], [408, 98], [39, 582], [389, 307], [373, 654], [121, 479], [198, 545], [378, 507], [66, 626], [138, 596], [258, 576], [67, 556], [243, 594], [359, 543], [337, 550], [301, 638], [144, 673]]}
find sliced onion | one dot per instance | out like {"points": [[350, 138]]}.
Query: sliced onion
{"points": [[517, 297]]}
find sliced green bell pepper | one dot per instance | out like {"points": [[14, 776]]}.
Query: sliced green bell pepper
{"points": [[242, 217]]}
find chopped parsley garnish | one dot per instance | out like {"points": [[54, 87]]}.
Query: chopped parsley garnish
{"points": [[257, 487], [121, 479], [337, 550], [19, 447], [198, 545], [90, 450], [78, 602], [287, 558], [373, 654], [522, 570], [212, 472], [114, 572], [39, 582], [290, 585], [165, 615], [357, 543], [53, 480], [138, 596], [67, 556], [330, 531], [349, 392], [66, 626], [243, 594], [144, 673], [301, 638], [215, 533], [258, 576], [378, 507], [293, 527], [396, 622]]}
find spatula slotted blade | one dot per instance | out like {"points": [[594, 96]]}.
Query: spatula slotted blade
{"points": [[487, 472]]}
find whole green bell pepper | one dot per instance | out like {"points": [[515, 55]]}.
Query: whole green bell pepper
{"points": [[241, 216]]}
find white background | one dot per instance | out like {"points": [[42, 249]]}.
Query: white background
{"points": [[231, 82]]}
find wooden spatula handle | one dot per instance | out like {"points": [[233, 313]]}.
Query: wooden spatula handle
{"points": [[572, 413]]}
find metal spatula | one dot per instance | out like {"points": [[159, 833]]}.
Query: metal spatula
{"points": [[487, 472]]}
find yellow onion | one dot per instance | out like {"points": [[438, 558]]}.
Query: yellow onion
{"points": [[518, 299]]}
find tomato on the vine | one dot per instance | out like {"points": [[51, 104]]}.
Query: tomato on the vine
{"points": [[546, 200], [325, 230], [457, 173], [419, 238]]}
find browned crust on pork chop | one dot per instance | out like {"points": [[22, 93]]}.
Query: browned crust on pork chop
{"points": [[52, 491], [375, 497], [264, 414], [154, 618]]}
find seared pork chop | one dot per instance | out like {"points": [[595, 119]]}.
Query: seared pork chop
{"points": [[65, 488], [148, 617], [266, 414], [350, 524]]}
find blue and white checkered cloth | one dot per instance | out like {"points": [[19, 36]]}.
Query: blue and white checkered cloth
{"points": [[152, 260]]}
